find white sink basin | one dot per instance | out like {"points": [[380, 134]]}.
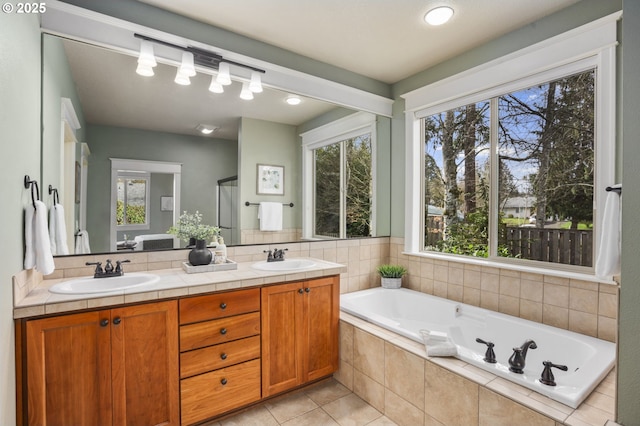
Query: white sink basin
{"points": [[89, 285], [284, 265]]}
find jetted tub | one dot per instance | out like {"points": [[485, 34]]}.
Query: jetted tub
{"points": [[406, 312]]}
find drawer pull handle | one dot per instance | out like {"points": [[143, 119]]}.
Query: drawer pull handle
{"points": [[223, 305], [117, 320], [104, 322], [223, 382], [223, 331], [307, 289], [223, 356], [300, 291]]}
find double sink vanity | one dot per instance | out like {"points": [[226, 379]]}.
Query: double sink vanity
{"points": [[174, 348]]}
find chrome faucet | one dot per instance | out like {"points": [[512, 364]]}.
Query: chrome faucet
{"points": [[517, 359]]}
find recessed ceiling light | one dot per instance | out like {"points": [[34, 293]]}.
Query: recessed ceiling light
{"points": [[438, 15], [293, 100], [206, 129]]}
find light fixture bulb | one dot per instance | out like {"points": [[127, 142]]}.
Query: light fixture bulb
{"points": [[182, 79], [215, 87], [147, 58], [293, 100], [246, 94], [438, 15], [144, 70], [206, 129], [255, 85], [186, 67], [224, 77]]}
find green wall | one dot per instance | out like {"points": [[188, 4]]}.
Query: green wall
{"points": [[265, 142], [20, 142], [204, 161]]}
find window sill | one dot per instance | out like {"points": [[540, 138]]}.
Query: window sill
{"points": [[514, 267]]}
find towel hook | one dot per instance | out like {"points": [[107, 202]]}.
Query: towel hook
{"points": [[56, 197], [31, 183]]}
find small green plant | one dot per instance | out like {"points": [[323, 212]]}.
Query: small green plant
{"points": [[190, 226], [391, 271]]}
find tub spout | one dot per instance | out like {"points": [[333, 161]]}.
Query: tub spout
{"points": [[518, 358]]}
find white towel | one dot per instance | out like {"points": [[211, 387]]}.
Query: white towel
{"points": [[82, 243], [608, 259], [58, 230], [438, 343], [37, 245], [270, 216]]}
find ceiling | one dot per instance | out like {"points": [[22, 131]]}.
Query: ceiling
{"points": [[386, 40]]}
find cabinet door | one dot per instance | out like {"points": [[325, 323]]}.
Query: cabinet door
{"points": [[145, 376], [282, 318], [322, 312], [68, 370]]}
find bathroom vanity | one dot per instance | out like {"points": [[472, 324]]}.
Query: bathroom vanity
{"points": [[180, 360]]}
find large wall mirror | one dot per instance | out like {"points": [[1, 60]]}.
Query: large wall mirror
{"points": [[97, 111]]}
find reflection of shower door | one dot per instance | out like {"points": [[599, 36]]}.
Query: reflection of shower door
{"points": [[228, 210]]}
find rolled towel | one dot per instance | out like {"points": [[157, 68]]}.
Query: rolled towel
{"points": [[442, 349], [434, 336]]}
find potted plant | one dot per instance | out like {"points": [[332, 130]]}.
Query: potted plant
{"points": [[391, 275], [191, 230]]}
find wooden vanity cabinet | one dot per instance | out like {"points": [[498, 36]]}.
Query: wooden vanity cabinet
{"points": [[110, 367], [219, 353], [299, 333]]}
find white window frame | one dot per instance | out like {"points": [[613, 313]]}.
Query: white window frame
{"points": [[589, 46], [339, 130], [129, 175]]}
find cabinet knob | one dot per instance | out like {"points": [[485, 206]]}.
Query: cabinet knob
{"points": [[307, 289], [223, 356], [104, 322], [223, 331], [117, 320], [223, 305], [300, 291], [223, 382]]}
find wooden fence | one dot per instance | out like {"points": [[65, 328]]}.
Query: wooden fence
{"points": [[566, 246]]}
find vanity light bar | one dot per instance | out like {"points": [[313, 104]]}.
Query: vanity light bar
{"points": [[211, 60]]}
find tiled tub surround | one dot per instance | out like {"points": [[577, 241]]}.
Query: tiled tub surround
{"points": [[585, 307], [394, 375]]}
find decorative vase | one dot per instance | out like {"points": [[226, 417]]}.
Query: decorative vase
{"points": [[200, 255], [391, 282]]}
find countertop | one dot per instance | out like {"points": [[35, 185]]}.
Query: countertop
{"points": [[173, 283]]}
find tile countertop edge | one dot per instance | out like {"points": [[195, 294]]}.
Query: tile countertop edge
{"points": [[40, 301]]}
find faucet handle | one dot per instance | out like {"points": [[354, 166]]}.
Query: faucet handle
{"points": [[547, 376], [119, 266], [98, 267], [108, 268], [490, 355]]}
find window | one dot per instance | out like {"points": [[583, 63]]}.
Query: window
{"points": [[509, 161], [545, 146], [132, 205], [343, 188], [339, 177]]}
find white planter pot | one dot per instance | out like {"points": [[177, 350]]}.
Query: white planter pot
{"points": [[391, 282]]}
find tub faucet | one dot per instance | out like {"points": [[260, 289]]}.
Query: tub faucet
{"points": [[517, 359]]}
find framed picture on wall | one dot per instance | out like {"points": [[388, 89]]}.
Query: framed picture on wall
{"points": [[270, 180]]}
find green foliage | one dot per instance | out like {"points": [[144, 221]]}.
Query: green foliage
{"points": [[391, 271], [136, 215], [191, 226]]}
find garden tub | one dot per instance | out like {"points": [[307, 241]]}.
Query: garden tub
{"points": [[406, 312]]}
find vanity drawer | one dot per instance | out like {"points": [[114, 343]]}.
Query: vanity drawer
{"points": [[202, 334], [219, 356], [214, 393], [219, 305]]}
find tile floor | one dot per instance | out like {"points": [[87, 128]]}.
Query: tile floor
{"points": [[327, 403]]}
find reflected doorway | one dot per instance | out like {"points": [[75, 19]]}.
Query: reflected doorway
{"points": [[228, 210]]}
